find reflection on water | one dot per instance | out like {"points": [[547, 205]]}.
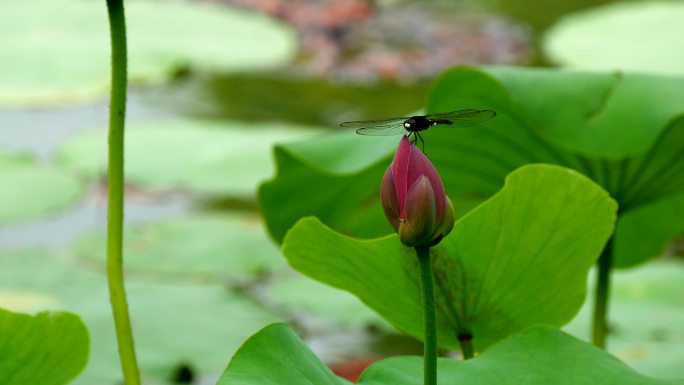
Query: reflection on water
{"points": [[283, 97]]}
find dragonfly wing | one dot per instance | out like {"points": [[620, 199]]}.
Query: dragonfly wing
{"points": [[453, 114], [464, 118], [374, 123], [386, 130]]}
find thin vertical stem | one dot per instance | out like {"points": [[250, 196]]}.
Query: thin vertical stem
{"points": [[600, 321], [117, 116], [429, 319], [466, 341]]}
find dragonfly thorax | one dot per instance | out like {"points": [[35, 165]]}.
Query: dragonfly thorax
{"points": [[418, 123]]}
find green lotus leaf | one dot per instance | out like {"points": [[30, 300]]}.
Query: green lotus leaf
{"points": [[647, 230], [537, 356], [523, 133], [336, 168], [520, 259], [596, 115], [50, 348], [625, 132], [275, 355]]}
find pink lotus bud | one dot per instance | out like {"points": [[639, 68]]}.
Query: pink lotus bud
{"points": [[413, 198]]}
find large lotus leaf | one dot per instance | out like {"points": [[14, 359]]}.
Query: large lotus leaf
{"points": [[646, 231], [30, 189], [210, 157], [520, 259], [330, 178], [607, 115], [627, 36], [65, 59], [275, 355], [473, 161], [192, 324], [50, 348], [538, 356], [521, 131], [490, 151], [646, 318], [205, 246]]}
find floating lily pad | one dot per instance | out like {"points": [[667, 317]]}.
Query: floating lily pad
{"points": [[626, 36], [30, 189], [212, 246], [646, 318], [49, 348], [46, 59], [196, 325], [210, 157]]}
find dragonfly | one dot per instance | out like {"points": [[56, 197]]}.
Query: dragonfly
{"points": [[413, 125]]}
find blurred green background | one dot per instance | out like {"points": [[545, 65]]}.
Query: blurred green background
{"points": [[213, 85]]}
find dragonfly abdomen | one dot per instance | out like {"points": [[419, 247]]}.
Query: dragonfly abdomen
{"points": [[443, 121]]}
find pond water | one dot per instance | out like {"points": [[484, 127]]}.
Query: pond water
{"points": [[247, 98], [280, 96]]}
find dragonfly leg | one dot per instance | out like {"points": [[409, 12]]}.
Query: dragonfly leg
{"points": [[420, 138]]}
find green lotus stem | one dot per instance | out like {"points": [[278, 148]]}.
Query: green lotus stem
{"points": [[600, 321], [466, 341], [115, 204], [429, 319]]}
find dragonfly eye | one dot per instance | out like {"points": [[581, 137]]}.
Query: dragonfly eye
{"points": [[407, 125]]}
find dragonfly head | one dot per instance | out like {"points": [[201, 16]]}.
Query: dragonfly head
{"points": [[417, 123]]}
